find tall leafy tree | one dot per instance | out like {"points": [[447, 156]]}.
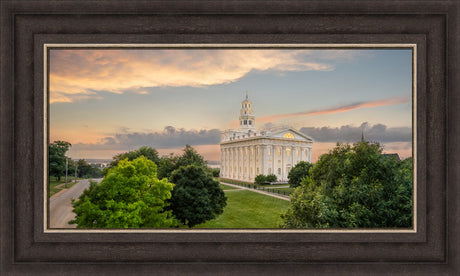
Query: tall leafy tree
{"points": [[196, 197], [130, 196], [166, 166], [148, 152], [57, 158], [298, 172], [189, 156], [353, 186]]}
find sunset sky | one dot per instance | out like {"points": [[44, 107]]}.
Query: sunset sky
{"points": [[107, 101]]}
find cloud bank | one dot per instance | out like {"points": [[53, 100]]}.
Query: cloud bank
{"points": [[81, 73], [378, 133], [172, 138]]}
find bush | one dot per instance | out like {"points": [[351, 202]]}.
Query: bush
{"points": [[215, 172], [260, 179], [271, 178]]}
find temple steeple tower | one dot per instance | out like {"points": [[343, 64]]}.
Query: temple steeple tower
{"points": [[247, 118]]}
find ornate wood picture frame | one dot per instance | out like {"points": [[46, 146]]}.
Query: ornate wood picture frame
{"points": [[28, 25]]}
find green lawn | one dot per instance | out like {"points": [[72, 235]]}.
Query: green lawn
{"points": [[246, 209], [226, 187]]}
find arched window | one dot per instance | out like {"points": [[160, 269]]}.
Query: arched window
{"points": [[279, 151], [279, 170], [250, 122], [245, 122], [288, 151]]}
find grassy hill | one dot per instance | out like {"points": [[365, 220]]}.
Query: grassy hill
{"points": [[247, 209]]}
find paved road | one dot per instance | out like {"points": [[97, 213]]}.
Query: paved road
{"points": [[283, 197], [61, 206]]}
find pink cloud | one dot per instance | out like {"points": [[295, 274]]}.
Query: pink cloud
{"points": [[76, 74], [384, 102]]}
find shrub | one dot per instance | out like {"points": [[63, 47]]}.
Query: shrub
{"points": [[260, 179], [271, 178]]}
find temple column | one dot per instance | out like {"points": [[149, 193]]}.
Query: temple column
{"points": [[283, 162], [222, 161], [238, 154]]}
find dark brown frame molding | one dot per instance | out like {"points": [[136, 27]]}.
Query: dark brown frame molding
{"points": [[27, 25]]}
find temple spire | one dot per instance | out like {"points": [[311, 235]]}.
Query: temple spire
{"points": [[246, 95]]}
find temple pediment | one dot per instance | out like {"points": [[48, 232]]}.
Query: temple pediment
{"points": [[289, 133]]}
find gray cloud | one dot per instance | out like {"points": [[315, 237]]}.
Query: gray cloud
{"points": [[170, 137], [378, 133]]}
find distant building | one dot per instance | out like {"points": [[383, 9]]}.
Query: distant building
{"points": [[246, 153]]}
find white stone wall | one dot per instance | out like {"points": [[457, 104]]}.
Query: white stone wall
{"points": [[246, 158]]}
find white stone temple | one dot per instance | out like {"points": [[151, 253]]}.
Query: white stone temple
{"points": [[246, 153]]}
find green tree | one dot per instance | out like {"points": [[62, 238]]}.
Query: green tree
{"points": [[166, 166], [271, 178], [196, 197], [298, 172], [148, 152], [130, 196], [85, 170], [260, 179], [353, 187], [57, 158], [190, 157]]}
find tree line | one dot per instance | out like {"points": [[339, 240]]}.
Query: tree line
{"points": [[141, 189], [57, 163], [351, 186]]}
